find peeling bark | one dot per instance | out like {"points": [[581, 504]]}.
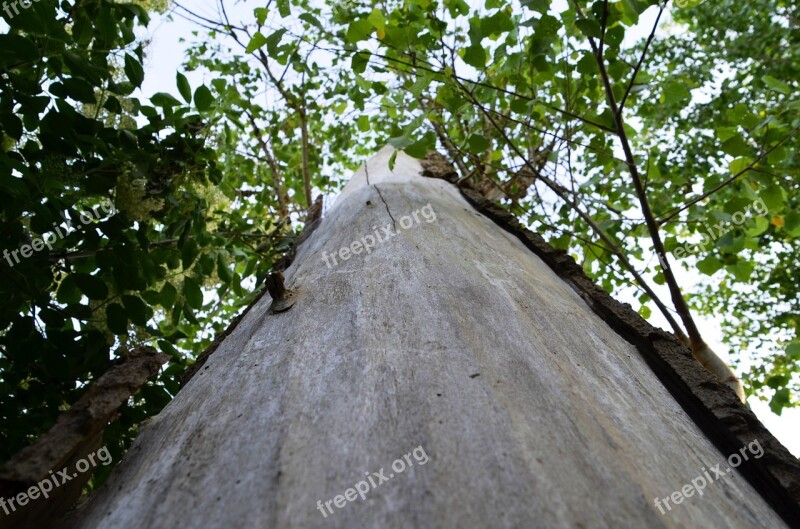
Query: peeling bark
{"points": [[78, 432]]}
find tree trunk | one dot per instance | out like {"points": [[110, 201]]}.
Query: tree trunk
{"points": [[449, 347]]}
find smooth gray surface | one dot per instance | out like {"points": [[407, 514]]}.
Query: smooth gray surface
{"points": [[565, 425]]}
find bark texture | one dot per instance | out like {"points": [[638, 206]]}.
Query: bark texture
{"points": [[452, 336], [78, 431]]}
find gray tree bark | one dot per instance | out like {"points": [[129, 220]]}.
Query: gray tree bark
{"points": [[449, 337]]}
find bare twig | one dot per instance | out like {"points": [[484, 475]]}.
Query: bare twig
{"points": [[641, 58], [563, 194], [729, 181], [700, 349]]}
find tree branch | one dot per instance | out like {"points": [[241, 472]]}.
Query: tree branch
{"points": [[615, 250], [641, 59], [700, 349]]}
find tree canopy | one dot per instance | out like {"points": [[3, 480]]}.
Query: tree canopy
{"points": [[639, 150]]}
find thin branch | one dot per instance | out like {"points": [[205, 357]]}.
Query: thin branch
{"points": [[277, 179], [603, 28], [729, 181], [641, 59], [562, 193], [652, 226]]}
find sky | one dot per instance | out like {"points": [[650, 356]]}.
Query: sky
{"points": [[164, 59]]}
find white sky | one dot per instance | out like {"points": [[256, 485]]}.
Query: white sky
{"points": [[165, 56]]}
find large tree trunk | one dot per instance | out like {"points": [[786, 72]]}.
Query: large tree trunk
{"points": [[450, 338]]}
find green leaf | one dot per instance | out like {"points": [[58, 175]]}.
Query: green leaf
{"points": [[541, 6], [193, 293], [520, 106], [761, 225], [420, 148], [359, 62], [273, 40], [184, 87], [137, 310], [614, 37], [635, 7], [358, 30], [92, 286], [475, 56], [261, 14], [777, 85], [169, 349], [223, 271], [589, 27], [458, 7], [676, 93], [740, 115], [116, 319], [189, 252], [311, 19], [168, 295], [151, 297], [741, 270], [400, 142], [284, 8], [724, 133], [377, 20], [80, 90], [206, 264], [709, 265], [162, 99], [773, 198], [13, 125], [792, 223], [781, 399], [257, 41], [68, 291], [363, 123], [477, 144], [16, 48], [739, 164], [736, 146], [113, 105], [498, 23], [106, 24], [188, 313], [134, 70], [203, 99]]}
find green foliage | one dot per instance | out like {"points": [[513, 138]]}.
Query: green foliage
{"points": [[167, 227], [746, 124], [209, 183]]}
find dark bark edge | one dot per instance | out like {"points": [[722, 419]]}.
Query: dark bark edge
{"points": [[76, 433], [714, 407]]}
